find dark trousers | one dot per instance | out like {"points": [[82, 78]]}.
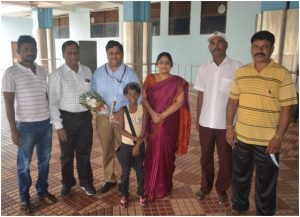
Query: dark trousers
{"points": [[127, 160], [209, 138], [245, 157], [79, 140]]}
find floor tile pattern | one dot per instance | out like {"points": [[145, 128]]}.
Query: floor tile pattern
{"points": [[180, 202]]}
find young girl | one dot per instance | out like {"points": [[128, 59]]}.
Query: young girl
{"points": [[131, 153]]}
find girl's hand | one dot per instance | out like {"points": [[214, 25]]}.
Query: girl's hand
{"points": [[136, 150]]}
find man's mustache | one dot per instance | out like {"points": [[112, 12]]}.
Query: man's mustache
{"points": [[217, 49], [260, 54]]}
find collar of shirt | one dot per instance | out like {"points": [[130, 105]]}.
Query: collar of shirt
{"points": [[26, 69], [225, 61], [271, 64], [120, 69], [67, 68]]}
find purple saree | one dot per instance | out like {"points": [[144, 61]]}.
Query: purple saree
{"points": [[164, 139]]}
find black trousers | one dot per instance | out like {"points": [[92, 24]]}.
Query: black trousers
{"points": [[245, 157], [127, 161], [79, 141]]}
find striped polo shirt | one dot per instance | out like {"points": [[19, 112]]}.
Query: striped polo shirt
{"points": [[261, 96], [30, 90]]}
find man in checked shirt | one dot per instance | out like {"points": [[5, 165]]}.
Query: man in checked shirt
{"points": [[72, 121]]}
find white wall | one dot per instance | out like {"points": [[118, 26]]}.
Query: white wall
{"points": [[192, 49], [11, 29], [186, 49], [79, 21]]}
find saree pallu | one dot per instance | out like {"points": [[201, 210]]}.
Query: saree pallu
{"points": [[164, 139]]}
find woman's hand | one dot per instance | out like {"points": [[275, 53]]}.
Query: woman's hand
{"points": [[156, 117]]}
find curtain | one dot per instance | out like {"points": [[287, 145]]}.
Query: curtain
{"points": [[284, 24]]}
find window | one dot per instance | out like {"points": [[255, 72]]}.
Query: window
{"points": [[61, 26], [155, 18], [105, 23], [179, 18], [213, 17]]}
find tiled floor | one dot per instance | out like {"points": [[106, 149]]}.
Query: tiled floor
{"points": [[180, 202]]}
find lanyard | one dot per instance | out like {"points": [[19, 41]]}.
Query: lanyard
{"points": [[118, 80]]}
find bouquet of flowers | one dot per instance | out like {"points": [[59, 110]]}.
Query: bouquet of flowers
{"points": [[95, 103]]}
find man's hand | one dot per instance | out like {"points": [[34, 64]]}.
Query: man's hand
{"points": [[197, 125], [274, 144], [16, 138], [230, 136], [62, 134]]}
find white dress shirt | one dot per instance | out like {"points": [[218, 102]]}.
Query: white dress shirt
{"points": [[64, 88], [215, 82]]}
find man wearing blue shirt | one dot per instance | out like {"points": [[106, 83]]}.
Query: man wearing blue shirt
{"points": [[109, 81]]}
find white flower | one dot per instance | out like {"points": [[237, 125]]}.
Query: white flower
{"points": [[88, 99], [92, 103]]}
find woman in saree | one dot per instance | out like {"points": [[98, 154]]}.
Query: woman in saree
{"points": [[165, 97]]}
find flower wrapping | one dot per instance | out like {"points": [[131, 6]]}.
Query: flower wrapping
{"points": [[95, 103]]}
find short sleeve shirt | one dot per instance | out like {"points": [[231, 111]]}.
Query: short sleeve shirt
{"points": [[30, 90], [215, 82], [261, 96]]}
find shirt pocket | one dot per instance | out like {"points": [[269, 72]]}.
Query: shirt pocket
{"points": [[87, 85], [225, 85]]}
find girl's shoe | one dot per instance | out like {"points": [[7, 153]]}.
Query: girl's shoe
{"points": [[123, 203], [143, 202]]}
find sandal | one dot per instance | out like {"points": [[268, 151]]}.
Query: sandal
{"points": [[223, 200], [25, 207], [200, 195], [123, 203], [143, 201]]}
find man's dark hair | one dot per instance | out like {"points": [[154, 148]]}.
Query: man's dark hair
{"points": [[25, 39], [112, 43], [263, 35], [164, 54], [132, 86], [67, 43]]}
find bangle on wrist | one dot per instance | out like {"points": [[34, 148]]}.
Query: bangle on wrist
{"points": [[229, 126], [278, 136]]}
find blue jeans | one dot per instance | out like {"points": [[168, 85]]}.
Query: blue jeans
{"points": [[37, 134]]}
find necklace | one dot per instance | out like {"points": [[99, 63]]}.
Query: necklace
{"points": [[116, 79]]}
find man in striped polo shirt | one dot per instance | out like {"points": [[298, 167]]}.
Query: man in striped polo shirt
{"points": [[263, 94], [25, 85]]}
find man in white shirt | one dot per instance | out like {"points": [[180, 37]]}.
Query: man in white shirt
{"points": [[213, 85], [72, 121], [24, 87]]}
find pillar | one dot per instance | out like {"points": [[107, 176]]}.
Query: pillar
{"points": [[43, 33], [137, 37]]}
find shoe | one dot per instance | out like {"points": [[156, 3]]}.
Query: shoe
{"points": [[143, 201], [200, 195], [89, 190], [234, 212], [25, 207], [49, 198], [106, 186], [223, 200], [123, 203], [65, 190]]}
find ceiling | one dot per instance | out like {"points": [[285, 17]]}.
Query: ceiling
{"points": [[23, 8]]}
